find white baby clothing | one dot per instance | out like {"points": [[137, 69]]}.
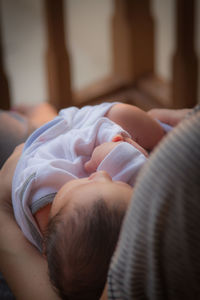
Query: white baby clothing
{"points": [[56, 153]]}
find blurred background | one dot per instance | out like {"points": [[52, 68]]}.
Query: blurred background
{"points": [[95, 31]]}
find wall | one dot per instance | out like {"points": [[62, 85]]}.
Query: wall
{"points": [[24, 44]]}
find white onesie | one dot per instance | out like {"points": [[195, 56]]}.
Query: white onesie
{"points": [[56, 153]]}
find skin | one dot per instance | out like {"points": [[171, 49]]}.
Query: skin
{"points": [[169, 116], [141, 125], [88, 186], [97, 184], [15, 249], [144, 130], [21, 264], [101, 151], [37, 115]]}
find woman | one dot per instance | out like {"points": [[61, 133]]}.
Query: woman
{"points": [[26, 271]]}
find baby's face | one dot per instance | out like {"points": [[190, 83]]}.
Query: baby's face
{"points": [[97, 185]]}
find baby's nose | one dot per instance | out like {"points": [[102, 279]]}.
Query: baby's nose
{"points": [[100, 175]]}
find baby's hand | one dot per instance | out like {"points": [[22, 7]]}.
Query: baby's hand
{"points": [[131, 142], [99, 153]]}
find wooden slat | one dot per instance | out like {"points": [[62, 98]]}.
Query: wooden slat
{"points": [[58, 61], [98, 91], [185, 63], [4, 87], [133, 39], [156, 89]]}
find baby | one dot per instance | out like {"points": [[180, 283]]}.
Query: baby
{"points": [[72, 186]]}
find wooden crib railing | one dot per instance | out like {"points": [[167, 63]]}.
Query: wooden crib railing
{"points": [[133, 76]]}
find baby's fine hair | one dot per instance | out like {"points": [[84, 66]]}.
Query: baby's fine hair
{"points": [[79, 246]]}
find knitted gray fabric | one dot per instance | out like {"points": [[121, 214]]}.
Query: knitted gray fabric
{"points": [[158, 255]]}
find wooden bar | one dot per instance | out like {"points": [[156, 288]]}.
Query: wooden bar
{"points": [[58, 61], [133, 39], [185, 63], [4, 87]]}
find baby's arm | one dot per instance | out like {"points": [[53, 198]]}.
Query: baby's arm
{"points": [[143, 129]]}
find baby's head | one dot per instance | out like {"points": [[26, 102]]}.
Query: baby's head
{"points": [[85, 222]]}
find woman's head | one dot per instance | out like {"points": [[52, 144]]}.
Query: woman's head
{"points": [[82, 234]]}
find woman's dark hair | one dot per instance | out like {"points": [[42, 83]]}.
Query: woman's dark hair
{"points": [[79, 245]]}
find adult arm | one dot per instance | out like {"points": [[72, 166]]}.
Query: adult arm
{"points": [[169, 116], [23, 267], [37, 115]]}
